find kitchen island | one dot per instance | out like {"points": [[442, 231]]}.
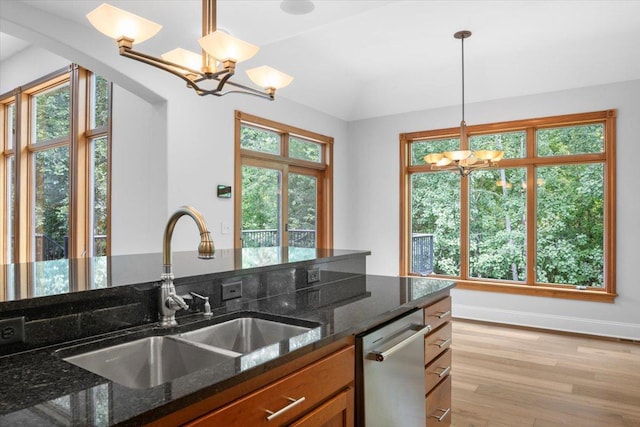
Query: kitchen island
{"points": [[39, 387]]}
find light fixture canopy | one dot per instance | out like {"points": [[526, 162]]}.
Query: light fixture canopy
{"points": [[463, 161], [216, 64]]}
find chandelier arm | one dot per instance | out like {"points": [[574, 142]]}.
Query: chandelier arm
{"points": [[193, 83], [160, 63], [249, 90], [224, 79]]}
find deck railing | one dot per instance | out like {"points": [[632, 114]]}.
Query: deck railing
{"points": [[270, 237], [421, 253], [48, 249]]}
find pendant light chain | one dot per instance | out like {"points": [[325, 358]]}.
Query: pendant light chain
{"points": [[462, 40], [463, 160]]}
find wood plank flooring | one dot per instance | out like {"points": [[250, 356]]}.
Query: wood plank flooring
{"points": [[505, 376]]}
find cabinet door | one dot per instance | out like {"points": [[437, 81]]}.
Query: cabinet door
{"points": [[439, 405], [437, 314], [335, 412], [437, 342], [437, 370], [283, 401]]}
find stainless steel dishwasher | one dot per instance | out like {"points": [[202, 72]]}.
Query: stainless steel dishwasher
{"points": [[391, 378]]}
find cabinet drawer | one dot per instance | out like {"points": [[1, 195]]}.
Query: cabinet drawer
{"points": [[439, 405], [437, 370], [289, 397], [438, 313], [337, 411], [437, 342]]}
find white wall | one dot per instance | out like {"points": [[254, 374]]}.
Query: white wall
{"points": [[172, 148], [374, 155]]}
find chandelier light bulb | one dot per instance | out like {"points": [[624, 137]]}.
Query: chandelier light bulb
{"points": [[267, 77], [117, 23], [223, 47], [183, 57]]}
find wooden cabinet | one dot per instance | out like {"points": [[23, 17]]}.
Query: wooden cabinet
{"points": [[439, 404], [319, 394], [437, 359], [335, 412]]}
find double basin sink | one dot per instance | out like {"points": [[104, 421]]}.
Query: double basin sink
{"points": [[251, 339]]}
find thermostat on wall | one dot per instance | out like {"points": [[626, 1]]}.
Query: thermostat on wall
{"points": [[224, 191]]}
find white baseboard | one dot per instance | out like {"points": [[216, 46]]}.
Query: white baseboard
{"points": [[579, 325]]}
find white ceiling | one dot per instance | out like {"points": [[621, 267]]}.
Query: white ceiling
{"points": [[357, 59]]}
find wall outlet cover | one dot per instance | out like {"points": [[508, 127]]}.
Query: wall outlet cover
{"points": [[313, 275], [12, 330], [231, 290]]}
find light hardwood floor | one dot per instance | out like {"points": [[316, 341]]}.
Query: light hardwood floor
{"points": [[516, 377]]}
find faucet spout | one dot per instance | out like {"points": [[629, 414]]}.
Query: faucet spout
{"points": [[170, 302]]}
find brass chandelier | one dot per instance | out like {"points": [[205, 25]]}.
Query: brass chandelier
{"points": [[463, 161], [215, 65]]}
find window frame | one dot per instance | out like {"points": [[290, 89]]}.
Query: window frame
{"points": [[529, 162], [322, 170], [78, 140]]}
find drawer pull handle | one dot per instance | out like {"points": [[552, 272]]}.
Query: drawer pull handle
{"points": [[445, 412], [293, 403], [443, 343], [444, 371], [442, 314], [381, 356]]}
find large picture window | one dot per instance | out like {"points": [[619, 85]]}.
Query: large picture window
{"points": [[542, 222], [54, 168]]}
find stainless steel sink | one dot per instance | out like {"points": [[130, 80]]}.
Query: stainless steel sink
{"points": [[245, 342], [247, 334], [147, 362]]}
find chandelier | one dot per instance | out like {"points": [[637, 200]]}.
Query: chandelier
{"points": [[214, 67], [463, 161]]}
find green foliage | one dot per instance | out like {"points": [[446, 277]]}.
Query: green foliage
{"points": [[259, 140], [100, 99], [570, 224], [52, 121], [497, 224], [52, 116], [304, 150], [570, 140], [435, 210], [569, 218], [260, 198], [100, 180], [261, 186], [52, 193], [302, 202]]}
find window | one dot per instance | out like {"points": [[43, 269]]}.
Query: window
{"points": [[543, 223], [283, 185], [54, 169]]}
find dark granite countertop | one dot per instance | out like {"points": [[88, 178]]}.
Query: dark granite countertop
{"points": [[38, 388], [57, 277]]}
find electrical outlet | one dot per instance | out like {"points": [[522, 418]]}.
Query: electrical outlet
{"points": [[12, 330], [231, 290], [313, 275], [313, 298]]}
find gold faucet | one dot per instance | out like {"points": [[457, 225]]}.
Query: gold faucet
{"points": [[170, 302]]}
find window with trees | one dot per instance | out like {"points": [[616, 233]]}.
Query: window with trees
{"points": [[284, 185], [54, 169], [542, 223]]}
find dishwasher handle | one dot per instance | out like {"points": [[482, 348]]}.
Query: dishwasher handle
{"points": [[381, 356]]}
